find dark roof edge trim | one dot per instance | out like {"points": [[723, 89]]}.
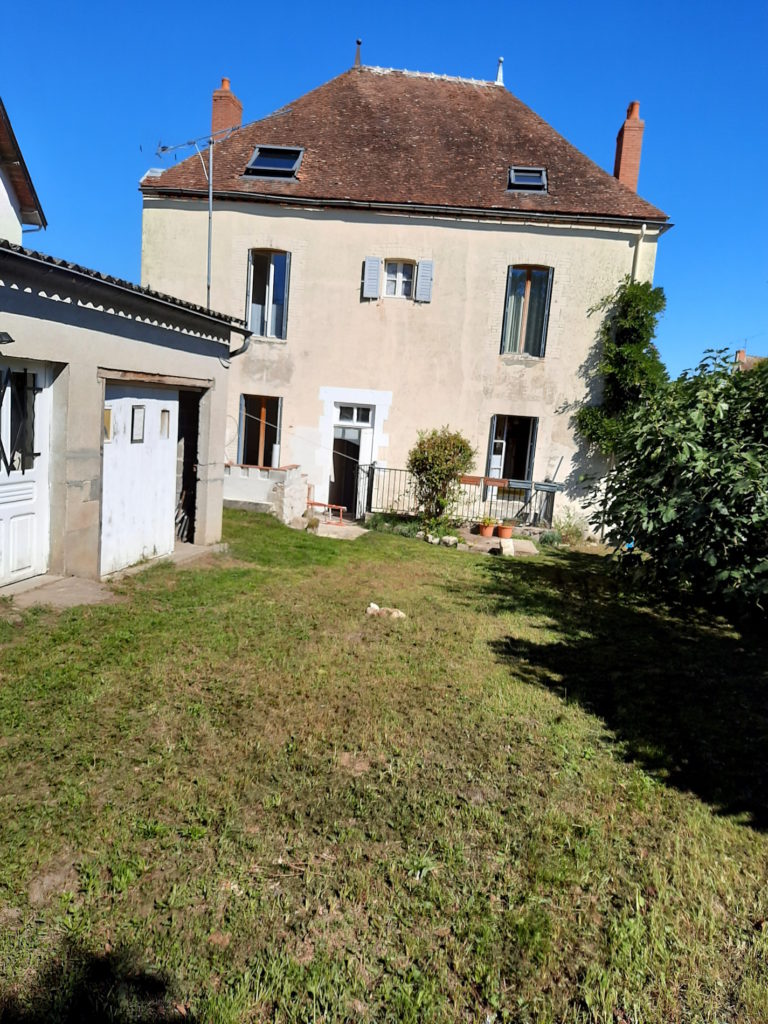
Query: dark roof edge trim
{"points": [[158, 298], [458, 211], [40, 221]]}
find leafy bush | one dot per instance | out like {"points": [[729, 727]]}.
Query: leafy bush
{"points": [[437, 461], [690, 485], [630, 369]]}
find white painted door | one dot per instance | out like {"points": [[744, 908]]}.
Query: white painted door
{"points": [[25, 397], [138, 502]]}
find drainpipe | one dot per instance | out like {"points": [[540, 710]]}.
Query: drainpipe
{"points": [[636, 253], [244, 347]]}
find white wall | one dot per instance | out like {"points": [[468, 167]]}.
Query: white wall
{"points": [[10, 214]]}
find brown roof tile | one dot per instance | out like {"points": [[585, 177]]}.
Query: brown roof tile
{"points": [[395, 137]]}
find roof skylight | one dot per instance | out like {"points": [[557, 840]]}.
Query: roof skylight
{"points": [[275, 161], [527, 179]]}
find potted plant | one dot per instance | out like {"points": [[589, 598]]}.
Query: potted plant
{"points": [[486, 526], [504, 530]]}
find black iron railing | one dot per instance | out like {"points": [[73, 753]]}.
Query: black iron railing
{"points": [[394, 490]]}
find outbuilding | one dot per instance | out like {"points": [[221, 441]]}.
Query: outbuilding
{"points": [[112, 415]]}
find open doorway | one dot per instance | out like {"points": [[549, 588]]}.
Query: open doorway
{"points": [[186, 465], [512, 447], [260, 430], [346, 459]]}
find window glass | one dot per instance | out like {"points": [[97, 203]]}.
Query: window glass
{"points": [[526, 308], [391, 279], [407, 280], [274, 162], [269, 289], [363, 415], [18, 391], [346, 412], [399, 279], [137, 424], [537, 301], [514, 313]]}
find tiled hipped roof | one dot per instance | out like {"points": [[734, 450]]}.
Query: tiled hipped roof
{"points": [[393, 137]]}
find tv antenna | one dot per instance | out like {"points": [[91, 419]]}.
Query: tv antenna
{"points": [[212, 138]]}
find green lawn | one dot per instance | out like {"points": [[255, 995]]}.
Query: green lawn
{"points": [[231, 796]]}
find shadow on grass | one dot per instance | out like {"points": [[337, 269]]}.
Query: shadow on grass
{"points": [[81, 987], [685, 694]]}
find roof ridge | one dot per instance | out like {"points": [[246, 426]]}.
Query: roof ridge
{"points": [[433, 75]]}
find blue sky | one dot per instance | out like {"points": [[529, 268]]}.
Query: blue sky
{"points": [[92, 88]]}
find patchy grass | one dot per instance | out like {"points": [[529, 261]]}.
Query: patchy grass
{"points": [[233, 797]]}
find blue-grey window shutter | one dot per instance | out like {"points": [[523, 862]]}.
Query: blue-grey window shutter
{"points": [[424, 281], [371, 275]]}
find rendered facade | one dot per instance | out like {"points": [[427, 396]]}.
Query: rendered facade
{"points": [[410, 251]]}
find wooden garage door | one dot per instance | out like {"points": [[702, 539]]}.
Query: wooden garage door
{"points": [[138, 501]]}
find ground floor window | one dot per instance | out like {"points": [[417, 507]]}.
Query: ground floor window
{"points": [[260, 417], [512, 447], [17, 420]]}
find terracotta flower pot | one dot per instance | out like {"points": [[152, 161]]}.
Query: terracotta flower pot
{"points": [[504, 532], [486, 531]]}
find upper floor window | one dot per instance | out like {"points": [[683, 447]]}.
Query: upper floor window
{"points": [[403, 279], [527, 179], [268, 277], [399, 279], [526, 310], [275, 162]]}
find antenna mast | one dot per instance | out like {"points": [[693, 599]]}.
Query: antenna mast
{"points": [[211, 141]]}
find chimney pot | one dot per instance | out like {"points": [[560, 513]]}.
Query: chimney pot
{"points": [[629, 144], [226, 109]]}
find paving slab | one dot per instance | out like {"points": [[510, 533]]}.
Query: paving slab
{"points": [[61, 592], [346, 532]]}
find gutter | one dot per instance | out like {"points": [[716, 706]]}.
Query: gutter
{"points": [[445, 211]]}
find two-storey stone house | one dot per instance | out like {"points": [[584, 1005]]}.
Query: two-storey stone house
{"points": [[410, 250]]}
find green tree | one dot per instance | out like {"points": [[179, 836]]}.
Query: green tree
{"points": [[690, 485], [629, 367], [438, 461]]}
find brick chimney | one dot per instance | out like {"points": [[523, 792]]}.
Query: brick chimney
{"points": [[227, 110], [629, 143]]}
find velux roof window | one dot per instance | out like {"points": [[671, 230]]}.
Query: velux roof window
{"points": [[275, 161], [527, 179]]}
